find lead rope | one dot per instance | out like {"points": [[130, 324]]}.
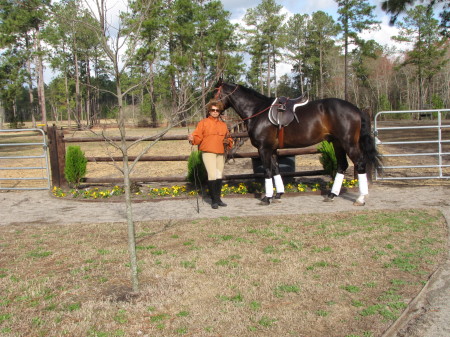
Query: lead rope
{"points": [[196, 178]]}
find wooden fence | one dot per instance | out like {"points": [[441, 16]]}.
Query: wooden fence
{"points": [[57, 149]]}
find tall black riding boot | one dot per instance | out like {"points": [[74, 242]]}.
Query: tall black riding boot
{"points": [[219, 192], [213, 193]]}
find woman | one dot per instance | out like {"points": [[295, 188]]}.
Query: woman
{"points": [[212, 136]]}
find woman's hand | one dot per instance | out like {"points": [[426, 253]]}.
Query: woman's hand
{"points": [[190, 138]]}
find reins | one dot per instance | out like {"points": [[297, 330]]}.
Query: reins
{"points": [[196, 178], [216, 96]]}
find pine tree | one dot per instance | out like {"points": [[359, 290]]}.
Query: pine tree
{"points": [[355, 16], [21, 24], [264, 38], [420, 28]]}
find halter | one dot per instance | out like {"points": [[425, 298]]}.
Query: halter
{"points": [[216, 96], [219, 89]]}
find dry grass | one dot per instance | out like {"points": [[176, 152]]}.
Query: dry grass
{"points": [[328, 275]]}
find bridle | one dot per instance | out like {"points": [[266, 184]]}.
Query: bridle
{"points": [[219, 98], [219, 90]]}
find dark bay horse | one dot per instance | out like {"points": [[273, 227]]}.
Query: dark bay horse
{"points": [[331, 119]]}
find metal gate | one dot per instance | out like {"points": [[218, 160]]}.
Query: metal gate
{"points": [[413, 148], [24, 163]]}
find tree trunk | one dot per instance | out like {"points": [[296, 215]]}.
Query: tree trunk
{"points": [[345, 60], [30, 93], [130, 223], [30, 84], [2, 115], [275, 74], [268, 74], [151, 90], [69, 112], [321, 70], [89, 114], [77, 91], [127, 186], [41, 84]]}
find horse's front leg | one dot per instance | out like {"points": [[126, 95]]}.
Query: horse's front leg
{"points": [[266, 159]]}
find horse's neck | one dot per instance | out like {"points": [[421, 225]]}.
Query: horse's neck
{"points": [[247, 108]]}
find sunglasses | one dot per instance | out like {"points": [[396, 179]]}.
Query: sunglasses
{"points": [[214, 110]]}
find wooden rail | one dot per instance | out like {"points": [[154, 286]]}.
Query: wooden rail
{"points": [[57, 158]]}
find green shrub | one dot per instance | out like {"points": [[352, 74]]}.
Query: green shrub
{"points": [[76, 164], [196, 169], [384, 104], [437, 102], [328, 158]]}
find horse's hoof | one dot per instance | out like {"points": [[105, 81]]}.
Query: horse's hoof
{"points": [[265, 201], [359, 203], [329, 197], [277, 198]]}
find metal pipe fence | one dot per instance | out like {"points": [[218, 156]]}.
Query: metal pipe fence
{"points": [[433, 148], [11, 177]]}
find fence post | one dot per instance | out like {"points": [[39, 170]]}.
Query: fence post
{"points": [[57, 151]]}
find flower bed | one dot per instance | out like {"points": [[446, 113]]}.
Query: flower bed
{"points": [[147, 191]]}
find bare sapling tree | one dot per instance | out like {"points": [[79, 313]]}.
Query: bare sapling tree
{"points": [[118, 45]]}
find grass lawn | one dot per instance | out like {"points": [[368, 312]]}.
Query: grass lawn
{"points": [[341, 274]]}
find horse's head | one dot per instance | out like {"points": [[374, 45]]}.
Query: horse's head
{"points": [[224, 91]]}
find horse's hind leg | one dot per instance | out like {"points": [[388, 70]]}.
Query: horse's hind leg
{"points": [[342, 165], [360, 167], [279, 185], [268, 164], [363, 185]]}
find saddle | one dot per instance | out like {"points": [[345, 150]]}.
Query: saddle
{"points": [[282, 110], [282, 113]]}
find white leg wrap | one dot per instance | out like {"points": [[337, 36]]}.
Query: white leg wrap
{"points": [[269, 188], [279, 183], [363, 185], [336, 189], [360, 200]]}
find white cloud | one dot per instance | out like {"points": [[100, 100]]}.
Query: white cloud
{"points": [[291, 7], [308, 7], [384, 35]]}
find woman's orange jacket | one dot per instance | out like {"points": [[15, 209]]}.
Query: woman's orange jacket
{"points": [[210, 134]]}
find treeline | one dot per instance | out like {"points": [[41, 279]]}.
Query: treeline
{"points": [[161, 57]]}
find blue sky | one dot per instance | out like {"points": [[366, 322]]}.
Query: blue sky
{"points": [[383, 36], [237, 8]]}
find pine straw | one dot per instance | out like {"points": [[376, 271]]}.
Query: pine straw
{"points": [[329, 275]]}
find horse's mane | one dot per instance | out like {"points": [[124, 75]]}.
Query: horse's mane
{"points": [[252, 92]]}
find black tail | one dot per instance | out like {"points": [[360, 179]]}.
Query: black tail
{"points": [[367, 142]]}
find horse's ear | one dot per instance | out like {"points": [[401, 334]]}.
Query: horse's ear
{"points": [[219, 81]]}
